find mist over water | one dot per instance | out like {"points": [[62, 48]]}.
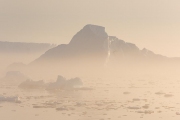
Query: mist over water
{"points": [[94, 77]]}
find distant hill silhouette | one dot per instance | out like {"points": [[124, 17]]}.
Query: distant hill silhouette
{"points": [[20, 52], [22, 47]]}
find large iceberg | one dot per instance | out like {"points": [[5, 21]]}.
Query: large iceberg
{"points": [[60, 83]]}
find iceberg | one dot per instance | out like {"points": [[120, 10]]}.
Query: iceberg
{"points": [[30, 84], [63, 83], [60, 83]]}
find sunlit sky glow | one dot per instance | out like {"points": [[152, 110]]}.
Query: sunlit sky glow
{"points": [[154, 24]]}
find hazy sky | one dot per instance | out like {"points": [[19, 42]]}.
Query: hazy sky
{"points": [[154, 24]]}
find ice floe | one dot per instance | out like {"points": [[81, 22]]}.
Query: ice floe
{"points": [[15, 99]]}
